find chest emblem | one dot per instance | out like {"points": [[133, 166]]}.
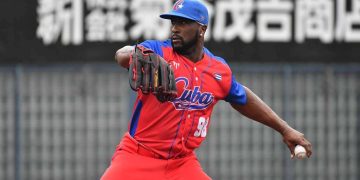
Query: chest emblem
{"points": [[192, 99]]}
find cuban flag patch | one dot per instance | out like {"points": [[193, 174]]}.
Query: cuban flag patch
{"points": [[217, 76]]}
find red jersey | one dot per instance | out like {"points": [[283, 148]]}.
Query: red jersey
{"points": [[176, 128]]}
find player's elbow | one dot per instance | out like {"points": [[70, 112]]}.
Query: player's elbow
{"points": [[122, 56]]}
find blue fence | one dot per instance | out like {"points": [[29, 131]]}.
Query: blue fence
{"points": [[64, 121]]}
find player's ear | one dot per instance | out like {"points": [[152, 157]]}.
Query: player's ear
{"points": [[202, 30]]}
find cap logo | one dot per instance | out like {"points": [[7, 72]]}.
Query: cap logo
{"points": [[178, 5]]}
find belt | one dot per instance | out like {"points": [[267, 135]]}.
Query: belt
{"points": [[130, 144]]}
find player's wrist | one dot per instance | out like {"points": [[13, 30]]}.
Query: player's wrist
{"points": [[284, 128]]}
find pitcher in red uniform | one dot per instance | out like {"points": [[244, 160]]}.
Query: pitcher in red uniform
{"points": [[162, 137]]}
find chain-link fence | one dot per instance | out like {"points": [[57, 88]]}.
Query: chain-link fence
{"points": [[64, 121]]}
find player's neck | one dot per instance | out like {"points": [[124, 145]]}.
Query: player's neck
{"points": [[196, 56], [196, 53]]}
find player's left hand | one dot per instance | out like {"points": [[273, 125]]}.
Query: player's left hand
{"points": [[292, 137], [150, 73]]}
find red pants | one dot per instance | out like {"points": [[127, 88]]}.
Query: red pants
{"points": [[133, 162]]}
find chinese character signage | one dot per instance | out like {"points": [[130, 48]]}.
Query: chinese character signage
{"points": [[79, 21], [290, 31]]}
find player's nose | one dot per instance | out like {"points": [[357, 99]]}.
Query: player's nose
{"points": [[174, 29]]}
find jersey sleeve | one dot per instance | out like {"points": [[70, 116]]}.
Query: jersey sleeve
{"points": [[237, 93], [153, 45]]}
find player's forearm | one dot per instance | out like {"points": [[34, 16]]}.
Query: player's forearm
{"points": [[122, 56], [257, 110]]}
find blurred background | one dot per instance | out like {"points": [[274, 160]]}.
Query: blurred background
{"points": [[65, 103]]}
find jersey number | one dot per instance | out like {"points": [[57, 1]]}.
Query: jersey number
{"points": [[201, 128]]}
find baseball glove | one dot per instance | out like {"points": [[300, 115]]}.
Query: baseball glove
{"points": [[150, 73]]}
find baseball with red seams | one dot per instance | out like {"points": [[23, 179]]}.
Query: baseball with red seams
{"points": [[300, 152]]}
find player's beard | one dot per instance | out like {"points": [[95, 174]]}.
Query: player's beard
{"points": [[186, 47]]}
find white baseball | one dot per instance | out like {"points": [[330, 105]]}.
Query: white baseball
{"points": [[300, 152]]}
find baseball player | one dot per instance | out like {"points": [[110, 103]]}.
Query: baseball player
{"points": [[178, 83]]}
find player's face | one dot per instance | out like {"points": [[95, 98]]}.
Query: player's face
{"points": [[184, 34]]}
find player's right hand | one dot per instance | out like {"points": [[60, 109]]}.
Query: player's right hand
{"points": [[292, 137]]}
